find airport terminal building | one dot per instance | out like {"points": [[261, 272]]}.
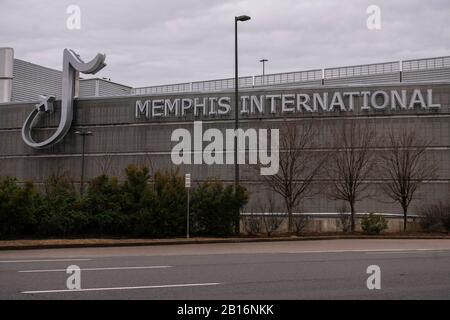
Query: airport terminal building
{"points": [[134, 125]]}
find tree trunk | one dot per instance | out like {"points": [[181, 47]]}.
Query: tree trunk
{"points": [[289, 210], [405, 216], [352, 215]]}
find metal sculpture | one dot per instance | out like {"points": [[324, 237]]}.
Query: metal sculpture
{"points": [[71, 64]]}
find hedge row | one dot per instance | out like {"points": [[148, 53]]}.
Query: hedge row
{"points": [[139, 206]]}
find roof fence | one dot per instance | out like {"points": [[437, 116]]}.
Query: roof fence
{"points": [[417, 70], [362, 70], [171, 88], [221, 84], [426, 64], [288, 77]]}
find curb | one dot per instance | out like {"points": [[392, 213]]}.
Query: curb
{"points": [[206, 241]]}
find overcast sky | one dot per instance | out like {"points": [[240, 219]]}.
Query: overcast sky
{"points": [[161, 42]]}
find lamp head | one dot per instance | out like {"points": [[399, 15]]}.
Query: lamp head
{"points": [[242, 18]]}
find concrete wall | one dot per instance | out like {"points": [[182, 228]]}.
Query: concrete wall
{"points": [[96, 87], [31, 80], [119, 139], [328, 223]]}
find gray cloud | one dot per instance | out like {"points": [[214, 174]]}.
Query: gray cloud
{"points": [[159, 42]]}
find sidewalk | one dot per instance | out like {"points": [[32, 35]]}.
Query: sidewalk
{"points": [[99, 242]]}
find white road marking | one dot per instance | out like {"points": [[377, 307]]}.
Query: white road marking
{"points": [[406, 251], [127, 288], [98, 269], [47, 260], [368, 251]]}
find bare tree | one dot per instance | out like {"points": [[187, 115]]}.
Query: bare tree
{"points": [[299, 165], [404, 167], [301, 222], [252, 221], [344, 218], [271, 217], [104, 164], [351, 163]]}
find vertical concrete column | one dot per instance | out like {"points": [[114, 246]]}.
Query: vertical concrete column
{"points": [[97, 88], [6, 73], [77, 85]]}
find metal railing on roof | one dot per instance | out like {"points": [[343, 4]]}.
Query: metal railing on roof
{"points": [[362, 70], [288, 77], [170, 88], [221, 84], [386, 72], [425, 64]]}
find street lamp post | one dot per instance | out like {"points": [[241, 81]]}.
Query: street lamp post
{"points": [[236, 105], [83, 134], [264, 65], [236, 97]]}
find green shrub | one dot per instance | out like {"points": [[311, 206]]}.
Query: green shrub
{"points": [[373, 224], [136, 190], [136, 207], [18, 208], [61, 211], [102, 203], [64, 223], [215, 208], [171, 203], [137, 202], [157, 210]]}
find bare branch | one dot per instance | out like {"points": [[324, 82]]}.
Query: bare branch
{"points": [[351, 162], [404, 167], [299, 165]]}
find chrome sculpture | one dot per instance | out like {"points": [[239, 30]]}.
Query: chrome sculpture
{"points": [[71, 64]]}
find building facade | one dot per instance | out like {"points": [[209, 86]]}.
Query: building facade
{"points": [[137, 128], [21, 80]]}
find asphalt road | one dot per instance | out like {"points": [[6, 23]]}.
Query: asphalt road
{"points": [[335, 269]]}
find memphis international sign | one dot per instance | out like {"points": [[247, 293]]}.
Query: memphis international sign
{"points": [[324, 102], [219, 105]]}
